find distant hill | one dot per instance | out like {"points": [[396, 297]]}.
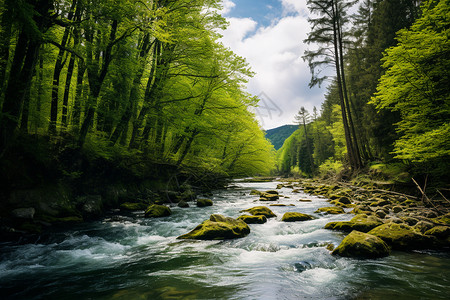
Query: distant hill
{"points": [[278, 135]]}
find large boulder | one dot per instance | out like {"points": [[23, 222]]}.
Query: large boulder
{"points": [[218, 227], [362, 223], [333, 210], [295, 216], [362, 245], [204, 202], [157, 211], [259, 219], [260, 211], [400, 236]]}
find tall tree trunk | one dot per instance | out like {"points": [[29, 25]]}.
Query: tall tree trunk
{"points": [[59, 64], [65, 103], [348, 140], [76, 114], [354, 140]]}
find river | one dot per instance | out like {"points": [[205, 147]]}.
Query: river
{"points": [[130, 257]]}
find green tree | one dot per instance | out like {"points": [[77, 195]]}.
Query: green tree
{"points": [[416, 85]]}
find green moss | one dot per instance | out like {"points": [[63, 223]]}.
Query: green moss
{"points": [[439, 232], [204, 202], [400, 236], [362, 245], [330, 210], [260, 210], [218, 227], [362, 223], [268, 196], [361, 210], [157, 211], [255, 192], [295, 216], [253, 219], [133, 206]]}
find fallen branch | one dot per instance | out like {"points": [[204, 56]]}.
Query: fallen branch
{"points": [[424, 196]]}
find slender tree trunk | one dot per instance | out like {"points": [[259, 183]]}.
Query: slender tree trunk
{"points": [[59, 64], [76, 114], [65, 105], [348, 140], [355, 146]]}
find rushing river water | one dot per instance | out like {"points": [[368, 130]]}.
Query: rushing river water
{"points": [[129, 257]]}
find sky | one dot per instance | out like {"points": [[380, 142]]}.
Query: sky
{"points": [[269, 34]]}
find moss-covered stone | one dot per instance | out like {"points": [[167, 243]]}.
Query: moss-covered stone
{"points": [[360, 209], [379, 202], [295, 216], [304, 200], [157, 211], [423, 226], [362, 223], [397, 209], [331, 210], [183, 204], [259, 219], [268, 197], [362, 245], [445, 219], [400, 236], [260, 211], [440, 232], [255, 192], [218, 227], [204, 202], [133, 206], [337, 203]]}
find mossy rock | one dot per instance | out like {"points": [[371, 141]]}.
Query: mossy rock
{"points": [[400, 236], [255, 192], [397, 209], [204, 202], [304, 200], [362, 245], [218, 227], [133, 206], [296, 216], [268, 197], [344, 200], [183, 204], [360, 209], [362, 223], [423, 226], [337, 203], [260, 211], [157, 211], [379, 202], [279, 186], [331, 210], [259, 219], [440, 232]]}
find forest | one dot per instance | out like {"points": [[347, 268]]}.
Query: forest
{"points": [[133, 84], [387, 106]]}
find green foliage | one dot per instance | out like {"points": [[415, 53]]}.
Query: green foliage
{"points": [[416, 85]]}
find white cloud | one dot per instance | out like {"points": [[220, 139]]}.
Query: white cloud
{"points": [[295, 6], [227, 6], [274, 53]]}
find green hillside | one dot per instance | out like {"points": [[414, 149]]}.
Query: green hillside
{"points": [[278, 135]]}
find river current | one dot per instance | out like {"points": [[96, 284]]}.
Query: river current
{"points": [[125, 256]]}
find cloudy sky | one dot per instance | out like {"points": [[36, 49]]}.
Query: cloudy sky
{"points": [[269, 34]]}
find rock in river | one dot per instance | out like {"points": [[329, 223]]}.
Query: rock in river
{"points": [[157, 211], [204, 202], [260, 211], [359, 222], [362, 245], [218, 227], [333, 210], [295, 216], [259, 219], [400, 236]]}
